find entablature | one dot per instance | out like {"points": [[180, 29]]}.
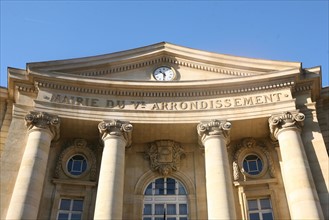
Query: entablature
{"points": [[128, 75], [309, 82]]}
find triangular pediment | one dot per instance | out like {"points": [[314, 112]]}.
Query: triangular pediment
{"points": [[138, 65]]}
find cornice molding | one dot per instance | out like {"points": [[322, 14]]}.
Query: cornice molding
{"points": [[166, 92], [165, 48], [26, 88], [74, 182], [64, 78], [256, 182], [302, 87]]}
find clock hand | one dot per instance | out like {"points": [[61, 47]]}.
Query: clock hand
{"points": [[163, 73]]}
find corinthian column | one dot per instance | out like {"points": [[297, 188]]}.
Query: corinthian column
{"points": [[116, 136], [302, 197], [213, 136], [25, 200]]}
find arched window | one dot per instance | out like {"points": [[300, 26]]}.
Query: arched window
{"points": [[165, 198]]}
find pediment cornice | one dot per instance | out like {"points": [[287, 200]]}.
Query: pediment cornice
{"points": [[162, 53], [162, 93]]}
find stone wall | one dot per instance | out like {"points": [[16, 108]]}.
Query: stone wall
{"points": [[323, 115], [5, 116]]}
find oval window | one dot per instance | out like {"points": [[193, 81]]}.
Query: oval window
{"points": [[252, 164], [76, 165]]}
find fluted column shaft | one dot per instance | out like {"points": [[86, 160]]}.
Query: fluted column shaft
{"points": [[220, 201], [109, 202], [301, 193], [26, 196]]}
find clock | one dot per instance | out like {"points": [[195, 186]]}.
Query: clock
{"points": [[164, 73]]}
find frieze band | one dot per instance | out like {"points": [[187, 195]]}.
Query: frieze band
{"points": [[171, 105]]}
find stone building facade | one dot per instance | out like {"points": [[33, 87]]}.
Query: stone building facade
{"points": [[164, 132]]}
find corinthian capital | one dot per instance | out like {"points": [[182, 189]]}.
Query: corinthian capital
{"points": [[43, 120], [285, 120], [213, 127], [116, 128]]}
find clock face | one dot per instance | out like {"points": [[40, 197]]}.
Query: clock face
{"points": [[164, 73]]}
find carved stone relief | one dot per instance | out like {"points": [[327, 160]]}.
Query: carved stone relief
{"points": [[250, 146], [164, 156], [77, 146]]}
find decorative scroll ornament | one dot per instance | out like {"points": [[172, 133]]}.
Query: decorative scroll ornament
{"points": [[214, 127], [284, 121], [43, 120], [116, 128], [164, 156]]}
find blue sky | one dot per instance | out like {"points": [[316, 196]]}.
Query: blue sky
{"points": [[33, 31]]}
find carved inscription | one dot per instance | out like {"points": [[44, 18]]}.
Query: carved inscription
{"points": [[210, 104]]}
